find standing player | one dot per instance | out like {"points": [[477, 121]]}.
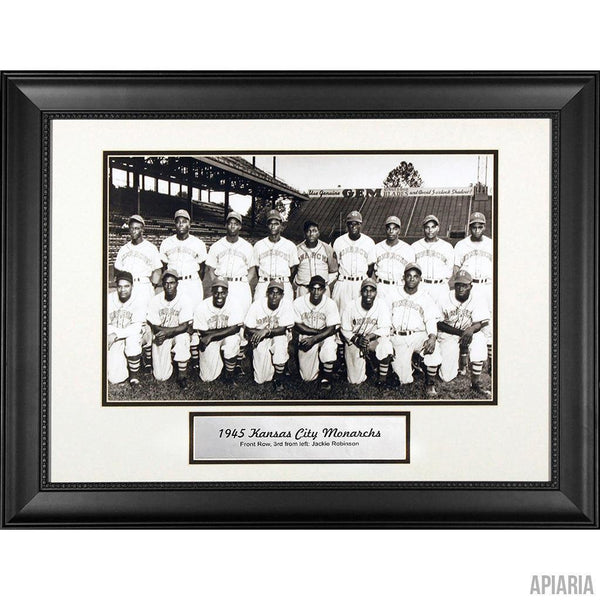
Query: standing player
{"points": [[414, 329], [460, 337], [232, 259], [186, 254], [317, 319], [436, 259], [475, 255], [170, 317], [141, 258], [314, 258], [366, 328], [389, 258], [218, 320], [268, 325], [124, 332], [276, 258]]}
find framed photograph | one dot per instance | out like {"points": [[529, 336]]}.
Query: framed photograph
{"points": [[300, 299]]}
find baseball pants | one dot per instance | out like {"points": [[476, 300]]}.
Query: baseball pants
{"points": [[404, 346], [193, 289], [308, 362], [356, 364], [345, 292], [450, 350], [261, 290], [211, 363], [239, 292], [438, 291], [271, 351], [162, 364], [387, 290], [116, 363], [143, 291], [484, 290]]}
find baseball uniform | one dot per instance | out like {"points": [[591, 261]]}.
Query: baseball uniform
{"points": [[170, 314], [208, 317], [390, 262], [270, 351], [356, 320], [274, 262], [436, 260], [140, 260], [325, 314], [414, 319], [125, 320], [461, 315], [314, 261], [353, 264], [477, 259]]}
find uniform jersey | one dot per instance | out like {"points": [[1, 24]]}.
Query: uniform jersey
{"points": [[463, 314], [207, 316], [414, 312], [436, 259], [475, 257], [325, 314], [358, 321], [124, 317], [185, 256], [315, 261], [170, 313], [275, 260], [230, 260], [353, 255], [138, 259], [260, 315], [391, 260]]}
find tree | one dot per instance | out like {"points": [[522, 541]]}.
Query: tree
{"points": [[403, 176]]}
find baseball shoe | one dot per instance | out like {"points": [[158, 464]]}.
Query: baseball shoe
{"points": [[182, 383], [393, 379], [430, 391], [325, 385], [278, 386], [481, 391], [239, 371], [134, 383]]}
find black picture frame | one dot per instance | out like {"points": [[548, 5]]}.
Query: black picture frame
{"points": [[31, 100]]}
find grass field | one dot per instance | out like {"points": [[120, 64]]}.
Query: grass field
{"points": [[199, 392]]}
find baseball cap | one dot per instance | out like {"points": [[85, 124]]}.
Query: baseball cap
{"points": [[182, 213], [463, 277], [124, 275], [234, 215], [354, 216], [316, 280], [431, 218], [171, 272], [274, 214], [394, 220], [219, 283], [275, 285], [413, 266], [366, 282], [477, 217], [138, 219]]}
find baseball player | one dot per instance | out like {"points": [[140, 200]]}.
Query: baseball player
{"points": [[436, 259], [459, 332], [124, 332], [414, 329], [314, 258], [218, 320], [366, 328], [317, 319], [141, 258], [268, 325], [475, 254], [276, 258], [170, 317], [389, 259], [186, 254], [232, 259]]}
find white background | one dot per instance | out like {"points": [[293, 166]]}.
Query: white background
{"points": [[273, 35]]}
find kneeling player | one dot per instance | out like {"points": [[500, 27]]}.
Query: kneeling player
{"points": [[460, 337], [170, 318], [414, 329], [218, 322], [124, 332], [366, 328], [317, 319], [267, 323]]}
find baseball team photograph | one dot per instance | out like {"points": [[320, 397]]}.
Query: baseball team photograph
{"points": [[300, 277]]}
